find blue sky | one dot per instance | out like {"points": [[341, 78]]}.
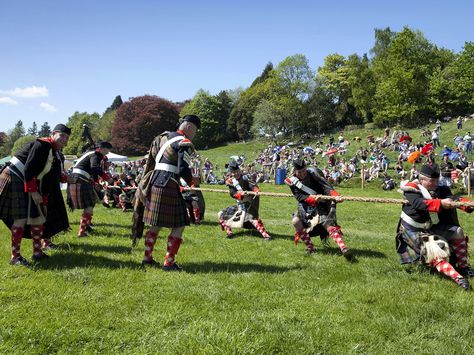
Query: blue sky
{"points": [[62, 56]]}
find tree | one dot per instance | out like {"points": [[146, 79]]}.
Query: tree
{"points": [[76, 122], [3, 140], [45, 130], [20, 142], [213, 111], [115, 104], [33, 131], [402, 76], [334, 78], [452, 85], [264, 76], [267, 120], [17, 132], [139, 120], [361, 82], [321, 112]]}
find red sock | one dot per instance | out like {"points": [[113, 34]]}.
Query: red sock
{"points": [[225, 227], [37, 235], [307, 240], [336, 234], [150, 240], [446, 268], [258, 224], [459, 247], [17, 235], [172, 249], [197, 215], [85, 218]]}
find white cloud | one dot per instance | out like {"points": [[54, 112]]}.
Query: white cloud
{"points": [[48, 107], [28, 92], [8, 100]]}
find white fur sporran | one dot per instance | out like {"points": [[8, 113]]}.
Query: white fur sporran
{"points": [[433, 247]]}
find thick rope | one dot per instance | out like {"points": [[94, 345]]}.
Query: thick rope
{"points": [[329, 198]]}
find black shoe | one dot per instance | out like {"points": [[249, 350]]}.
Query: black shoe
{"points": [[39, 257], [90, 229], [347, 253], [172, 267], [267, 239], [464, 284], [466, 271], [152, 263], [20, 261], [230, 236]]}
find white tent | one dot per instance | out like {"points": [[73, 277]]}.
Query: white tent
{"points": [[116, 158]]}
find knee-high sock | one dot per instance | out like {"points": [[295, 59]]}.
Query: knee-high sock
{"points": [[306, 239], [446, 268], [225, 227], [150, 240], [172, 249], [336, 234], [36, 236], [197, 214], [17, 235], [459, 247], [258, 224], [85, 218]]}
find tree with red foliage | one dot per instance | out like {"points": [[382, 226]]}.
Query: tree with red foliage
{"points": [[139, 120]]}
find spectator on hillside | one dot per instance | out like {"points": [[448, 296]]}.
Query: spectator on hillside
{"points": [[459, 122], [445, 169], [435, 138], [468, 143]]}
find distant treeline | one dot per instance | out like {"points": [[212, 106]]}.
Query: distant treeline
{"points": [[404, 80]]}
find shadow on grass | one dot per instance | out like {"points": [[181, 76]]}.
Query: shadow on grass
{"points": [[87, 248], [97, 225], [237, 268], [253, 233], [357, 252], [69, 260]]}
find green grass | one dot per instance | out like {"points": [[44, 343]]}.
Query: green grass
{"points": [[236, 296], [243, 295]]}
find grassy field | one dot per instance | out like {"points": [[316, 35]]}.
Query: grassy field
{"points": [[243, 295]]}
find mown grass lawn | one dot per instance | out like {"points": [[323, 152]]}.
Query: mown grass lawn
{"points": [[243, 295]]}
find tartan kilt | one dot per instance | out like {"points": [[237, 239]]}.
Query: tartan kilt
{"points": [[165, 207], [81, 195], [13, 198]]}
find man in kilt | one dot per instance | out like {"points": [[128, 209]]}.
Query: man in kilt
{"points": [[168, 160], [315, 216], [426, 198], [26, 183], [81, 190], [246, 210]]}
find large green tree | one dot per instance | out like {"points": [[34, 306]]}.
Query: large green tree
{"points": [[402, 75], [17, 132], [452, 85], [213, 112], [20, 142], [76, 123]]}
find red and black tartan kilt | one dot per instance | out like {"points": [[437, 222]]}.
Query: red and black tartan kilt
{"points": [[81, 195], [13, 198], [165, 207]]}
